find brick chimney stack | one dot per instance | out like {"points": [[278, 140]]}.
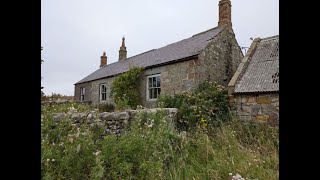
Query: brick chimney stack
{"points": [[103, 61], [225, 13], [123, 50]]}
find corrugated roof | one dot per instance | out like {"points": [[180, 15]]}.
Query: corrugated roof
{"points": [[175, 51], [262, 74]]}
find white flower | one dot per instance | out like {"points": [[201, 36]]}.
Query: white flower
{"points": [[48, 160], [53, 160], [97, 153], [78, 148], [230, 174]]}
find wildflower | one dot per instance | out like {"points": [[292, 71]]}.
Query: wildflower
{"points": [[230, 174], [97, 153], [53, 160], [78, 148], [48, 160]]}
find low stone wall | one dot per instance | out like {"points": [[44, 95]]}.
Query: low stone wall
{"points": [[261, 107], [113, 122]]}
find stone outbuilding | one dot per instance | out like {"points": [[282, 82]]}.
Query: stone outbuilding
{"points": [[254, 88]]}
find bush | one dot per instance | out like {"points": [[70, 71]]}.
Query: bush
{"points": [[106, 107], [124, 89], [206, 106]]}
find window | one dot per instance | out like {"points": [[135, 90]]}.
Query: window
{"points": [[82, 92], [153, 87], [103, 92]]}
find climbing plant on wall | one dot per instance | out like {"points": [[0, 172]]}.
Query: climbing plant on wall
{"points": [[124, 89]]}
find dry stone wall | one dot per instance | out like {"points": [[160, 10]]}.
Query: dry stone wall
{"points": [[113, 122]]}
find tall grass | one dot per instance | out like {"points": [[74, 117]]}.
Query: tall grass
{"points": [[154, 149]]}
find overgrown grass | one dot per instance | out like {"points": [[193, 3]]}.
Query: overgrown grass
{"points": [[153, 149]]}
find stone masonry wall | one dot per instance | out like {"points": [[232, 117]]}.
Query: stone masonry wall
{"points": [[175, 78], [87, 95], [112, 122], [220, 59], [93, 89], [261, 107]]}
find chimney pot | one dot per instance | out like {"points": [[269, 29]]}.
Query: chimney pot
{"points": [[103, 60], [123, 50], [225, 13]]}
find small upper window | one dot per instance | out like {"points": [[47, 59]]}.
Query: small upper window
{"points": [[103, 92], [153, 87], [82, 92]]}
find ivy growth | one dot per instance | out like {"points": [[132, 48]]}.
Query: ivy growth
{"points": [[124, 89]]}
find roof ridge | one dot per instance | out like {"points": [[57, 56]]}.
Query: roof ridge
{"points": [[140, 54], [204, 31]]}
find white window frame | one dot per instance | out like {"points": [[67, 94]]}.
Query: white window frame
{"points": [[101, 92], [82, 93], [148, 88]]}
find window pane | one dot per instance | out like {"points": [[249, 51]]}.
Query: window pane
{"points": [[154, 82], [150, 94], [158, 92], [158, 81], [150, 82], [154, 93]]}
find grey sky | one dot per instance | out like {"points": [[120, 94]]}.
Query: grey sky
{"points": [[74, 33]]}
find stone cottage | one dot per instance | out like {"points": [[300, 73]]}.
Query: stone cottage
{"points": [[210, 55], [254, 88]]}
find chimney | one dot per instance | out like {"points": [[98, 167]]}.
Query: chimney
{"points": [[103, 61], [123, 50], [225, 13]]}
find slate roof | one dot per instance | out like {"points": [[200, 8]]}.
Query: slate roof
{"points": [[262, 73], [156, 57]]}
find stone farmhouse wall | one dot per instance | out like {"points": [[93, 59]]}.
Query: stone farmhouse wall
{"points": [[216, 62]]}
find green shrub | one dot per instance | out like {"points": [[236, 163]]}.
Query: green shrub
{"points": [[124, 89], [206, 106], [106, 107]]}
